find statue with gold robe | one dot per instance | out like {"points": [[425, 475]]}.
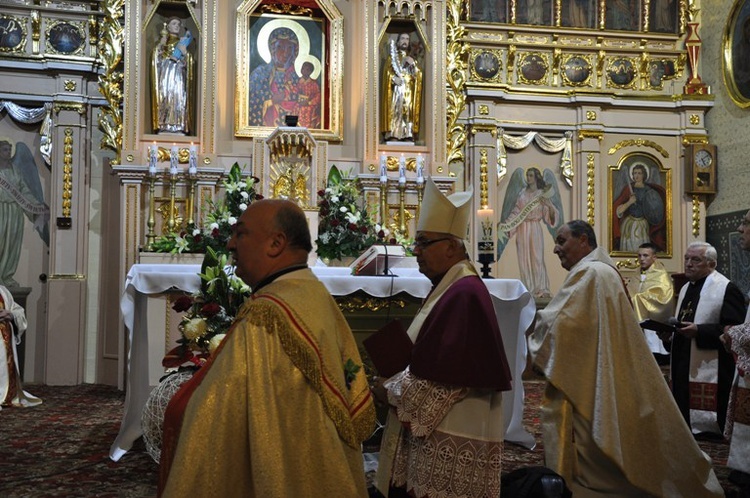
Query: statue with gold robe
{"points": [[401, 95]]}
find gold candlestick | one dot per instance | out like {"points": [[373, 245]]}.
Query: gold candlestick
{"points": [[151, 223], [190, 201], [171, 222]]}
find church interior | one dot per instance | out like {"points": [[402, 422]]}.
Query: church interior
{"points": [[586, 100]]}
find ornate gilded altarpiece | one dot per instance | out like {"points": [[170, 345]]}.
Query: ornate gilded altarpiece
{"points": [[615, 82]]}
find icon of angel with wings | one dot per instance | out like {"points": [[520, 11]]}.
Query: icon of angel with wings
{"points": [[532, 202], [21, 195]]}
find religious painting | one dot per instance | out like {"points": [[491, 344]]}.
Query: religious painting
{"points": [[66, 38], [621, 72], [532, 212], [579, 13], [660, 70], [532, 68], [622, 15], [488, 10], [576, 70], [736, 51], [536, 12], [663, 17], [485, 65], [12, 34], [640, 205], [289, 64], [23, 204]]}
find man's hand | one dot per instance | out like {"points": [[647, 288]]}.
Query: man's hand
{"points": [[688, 329], [378, 390]]}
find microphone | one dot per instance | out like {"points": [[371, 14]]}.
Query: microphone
{"points": [[385, 259]]}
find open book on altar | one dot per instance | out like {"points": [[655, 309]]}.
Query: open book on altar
{"points": [[389, 348], [378, 260]]}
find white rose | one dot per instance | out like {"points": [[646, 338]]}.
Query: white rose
{"points": [[244, 194], [232, 220], [328, 190], [214, 342], [343, 209], [242, 206], [194, 328], [335, 199], [197, 231], [214, 226]]}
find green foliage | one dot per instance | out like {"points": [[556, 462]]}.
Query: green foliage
{"points": [[345, 228], [218, 218]]}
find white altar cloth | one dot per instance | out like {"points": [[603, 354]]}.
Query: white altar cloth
{"points": [[513, 304]]}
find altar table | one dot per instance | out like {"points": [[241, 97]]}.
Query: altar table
{"points": [[514, 308]]}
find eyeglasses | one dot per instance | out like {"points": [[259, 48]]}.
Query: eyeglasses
{"points": [[424, 243], [744, 223]]}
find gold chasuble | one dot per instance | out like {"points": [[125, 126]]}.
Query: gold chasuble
{"points": [[276, 414], [609, 422]]}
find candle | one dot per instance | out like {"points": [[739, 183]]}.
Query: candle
{"points": [[173, 160], [383, 169], [193, 161], [153, 153], [486, 220], [402, 170], [420, 169]]}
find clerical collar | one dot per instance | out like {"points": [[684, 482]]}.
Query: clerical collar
{"points": [[276, 275], [698, 284]]}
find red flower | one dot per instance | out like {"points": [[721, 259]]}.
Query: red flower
{"points": [[381, 234], [258, 197], [197, 238], [334, 222], [363, 229], [215, 232], [210, 309], [353, 227], [392, 242], [321, 193], [183, 303]]}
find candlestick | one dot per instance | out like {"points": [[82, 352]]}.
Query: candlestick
{"points": [[174, 151], [153, 153], [192, 161], [383, 169], [402, 170], [420, 169], [486, 244], [485, 217]]}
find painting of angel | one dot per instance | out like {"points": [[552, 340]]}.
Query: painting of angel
{"points": [[638, 211], [21, 195], [531, 204]]}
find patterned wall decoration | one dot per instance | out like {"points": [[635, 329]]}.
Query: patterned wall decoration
{"points": [[733, 261]]}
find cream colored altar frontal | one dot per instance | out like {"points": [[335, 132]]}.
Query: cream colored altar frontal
{"points": [[514, 308]]}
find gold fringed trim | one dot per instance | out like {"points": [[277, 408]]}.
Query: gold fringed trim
{"points": [[351, 414]]}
